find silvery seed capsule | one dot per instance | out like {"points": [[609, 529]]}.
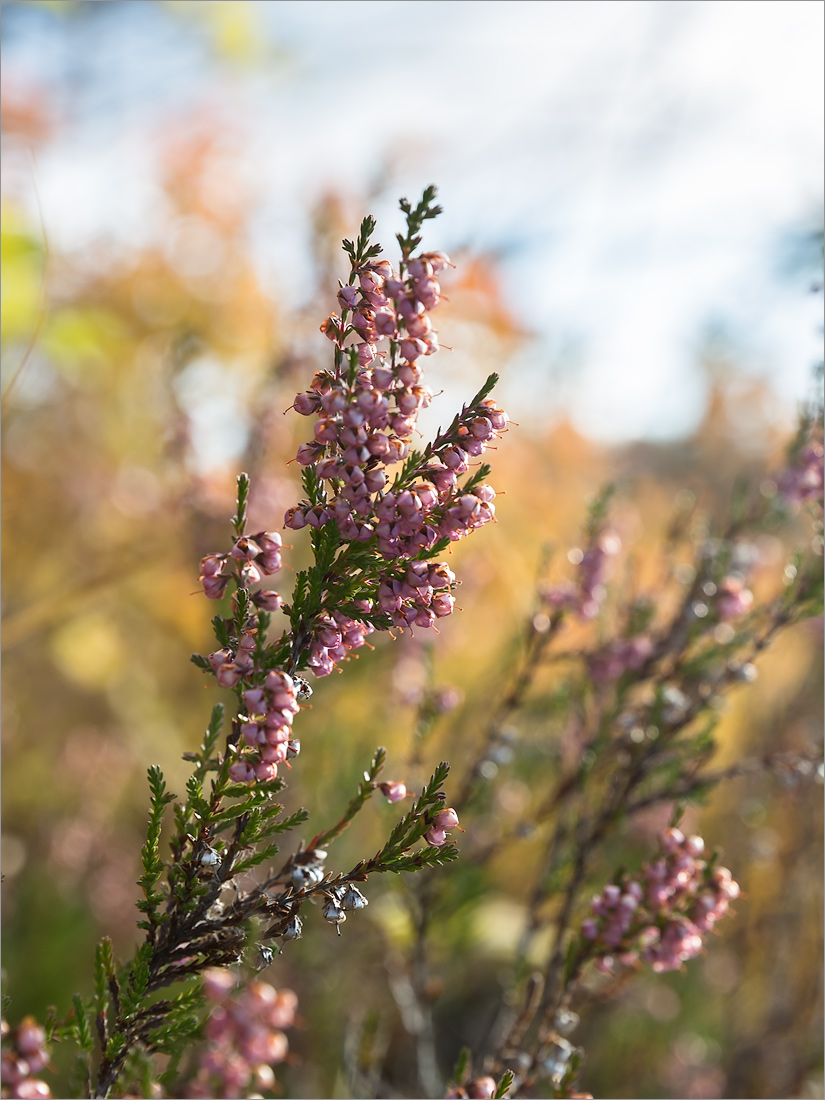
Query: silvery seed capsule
{"points": [[334, 914], [310, 874], [294, 930], [265, 956], [353, 898], [565, 1021], [558, 1056]]}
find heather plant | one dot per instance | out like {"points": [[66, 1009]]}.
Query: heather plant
{"points": [[624, 681], [631, 719], [376, 537]]}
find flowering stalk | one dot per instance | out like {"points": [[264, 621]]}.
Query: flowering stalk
{"points": [[634, 724], [660, 916], [380, 514]]}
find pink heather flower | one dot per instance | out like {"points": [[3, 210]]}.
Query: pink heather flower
{"points": [[241, 772], [803, 481], [732, 599], [446, 819], [295, 518], [660, 916], [483, 1088], [306, 403], [673, 839], [250, 573], [229, 674], [331, 327], [244, 1029], [212, 577], [393, 792], [217, 984], [348, 297], [267, 600], [245, 549], [24, 1056], [435, 837]]}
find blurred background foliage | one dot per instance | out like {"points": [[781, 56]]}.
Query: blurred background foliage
{"points": [[133, 380]]}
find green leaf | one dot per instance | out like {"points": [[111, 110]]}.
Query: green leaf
{"points": [[83, 1028], [461, 1067], [239, 519], [504, 1084], [133, 991], [104, 974]]}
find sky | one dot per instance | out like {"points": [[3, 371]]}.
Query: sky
{"points": [[644, 171]]}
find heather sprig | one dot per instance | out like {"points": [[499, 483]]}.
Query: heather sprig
{"points": [[642, 692], [374, 540], [628, 726]]}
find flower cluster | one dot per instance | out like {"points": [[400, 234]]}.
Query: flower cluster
{"points": [[250, 559], [365, 416], [420, 595], [24, 1056], [662, 915], [619, 656], [440, 825], [269, 712], [375, 537], [339, 900], [733, 599], [585, 595], [802, 481], [335, 635], [245, 1032]]}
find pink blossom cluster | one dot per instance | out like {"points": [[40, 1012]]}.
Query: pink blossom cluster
{"points": [[620, 656], [802, 481], [585, 595], [335, 634], [233, 665], [245, 1032], [440, 825], [420, 596], [24, 1056], [661, 915], [733, 599], [268, 729], [250, 559], [364, 423], [365, 412]]}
